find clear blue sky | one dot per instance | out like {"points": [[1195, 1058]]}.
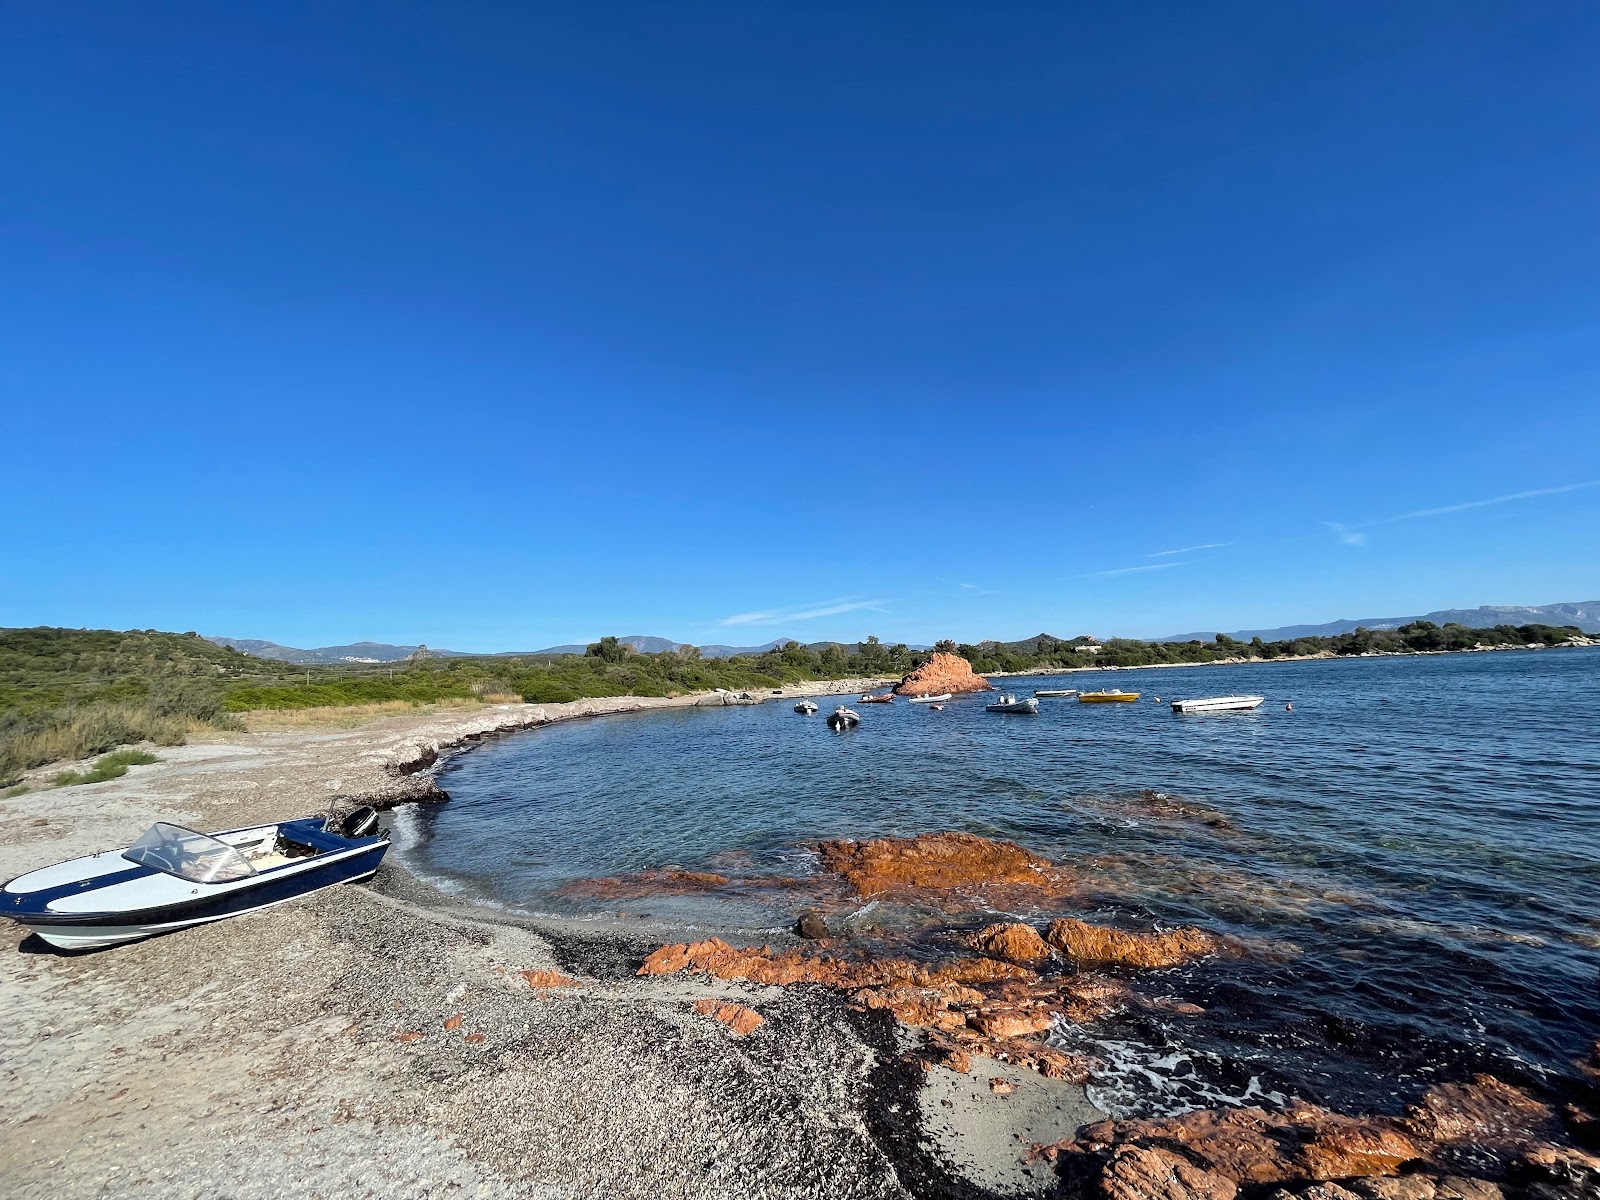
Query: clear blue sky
{"points": [[493, 326]]}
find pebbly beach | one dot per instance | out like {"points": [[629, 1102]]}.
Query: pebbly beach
{"points": [[386, 1040]]}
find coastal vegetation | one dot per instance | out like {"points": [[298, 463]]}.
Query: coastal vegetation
{"points": [[68, 694]]}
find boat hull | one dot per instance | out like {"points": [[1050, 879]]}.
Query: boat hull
{"points": [[1218, 704], [104, 900], [85, 936], [1107, 697], [928, 699], [1029, 708]]}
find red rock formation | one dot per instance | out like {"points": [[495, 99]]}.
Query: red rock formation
{"points": [[1483, 1118], [547, 979], [1484, 1125], [1252, 1146], [736, 1017], [1013, 942], [1087, 943], [940, 674], [764, 965], [953, 871], [1003, 1022], [949, 999], [1141, 1173]]}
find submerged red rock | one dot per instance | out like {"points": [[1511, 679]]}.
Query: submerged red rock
{"points": [[954, 871]]}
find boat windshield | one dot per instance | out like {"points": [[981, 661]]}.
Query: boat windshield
{"points": [[196, 857]]}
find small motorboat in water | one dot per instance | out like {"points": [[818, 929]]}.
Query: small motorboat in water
{"points": [[806, 706], [843, 718], [929, 699], [886, 698], [1055, 691], [1107, 696], [1218, 704], [174, 877], [1011, 704]]}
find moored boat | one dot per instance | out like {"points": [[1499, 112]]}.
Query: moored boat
{"points": [[1055, 691], [885, 698], [843, 718], [1217, 704], [1107, 696], [173, 877], [929, 699], [806, 706], [1012, 704]]}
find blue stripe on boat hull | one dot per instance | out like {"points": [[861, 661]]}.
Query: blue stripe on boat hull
{"points": [[272, 889]]}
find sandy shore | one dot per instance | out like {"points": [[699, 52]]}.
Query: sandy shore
{"points": [[313, 1049]]}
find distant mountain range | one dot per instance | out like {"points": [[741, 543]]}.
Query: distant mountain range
{"points": [[356, 652], [383, 652], [1585, 614]]}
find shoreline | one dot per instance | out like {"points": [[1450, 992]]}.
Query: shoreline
{"points": [[333, 1021], [1246, 660]]}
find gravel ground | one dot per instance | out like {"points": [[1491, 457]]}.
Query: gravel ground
{"points": [[314, 1050]]}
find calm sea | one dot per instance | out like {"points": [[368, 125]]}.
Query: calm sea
{"points": [[1424, 832]]}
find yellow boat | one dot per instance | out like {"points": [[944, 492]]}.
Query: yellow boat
{"points": [[1109, 696]]}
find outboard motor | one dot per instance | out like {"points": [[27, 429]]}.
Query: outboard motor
{"points": [[358, 823]]}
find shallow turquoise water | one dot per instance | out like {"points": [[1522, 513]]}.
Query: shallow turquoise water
{"points": [[1426, 830]]}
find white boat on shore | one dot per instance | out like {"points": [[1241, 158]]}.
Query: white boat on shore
{"points": [[928, 699], [1217, 704], [174, 877], [1011, 704]]}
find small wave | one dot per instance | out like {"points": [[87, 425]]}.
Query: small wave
{"points": [[1138, 1080]]}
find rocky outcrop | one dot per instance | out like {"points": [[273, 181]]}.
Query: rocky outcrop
{"points": [[969, 1006], [1095, 944], [952, 871], [1479, 1140], [1252, 1146], [1141, 1173], [764, 965], [940, 674], [736, 1017], [1481, 1122], [410, 757], [1014, 942]]}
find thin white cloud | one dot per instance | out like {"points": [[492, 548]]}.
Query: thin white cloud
{"points": [[1133, 570], [825, 608], [1350, 535], [979, 591], [1345, 535], [1187, 550], [1455, 508]]}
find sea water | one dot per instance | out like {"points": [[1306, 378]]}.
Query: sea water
{"points": [[1415, 848]]}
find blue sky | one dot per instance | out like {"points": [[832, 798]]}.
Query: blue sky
{"points": [[494, 326]]}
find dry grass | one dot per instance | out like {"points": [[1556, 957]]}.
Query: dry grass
{"points": [[352, 716], [89, 731]]}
